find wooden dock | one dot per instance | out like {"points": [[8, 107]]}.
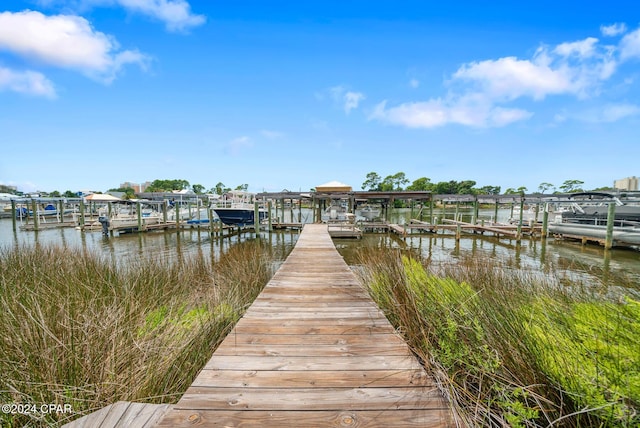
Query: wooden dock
{"points": [[315, 351]]}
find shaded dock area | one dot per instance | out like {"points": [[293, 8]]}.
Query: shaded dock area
{"points": [[312, 350]]}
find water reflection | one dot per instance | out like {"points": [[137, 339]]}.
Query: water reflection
{"points": [[589, 263]]}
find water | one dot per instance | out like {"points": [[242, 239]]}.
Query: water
{"points": [[165, 245], [589, 263]]}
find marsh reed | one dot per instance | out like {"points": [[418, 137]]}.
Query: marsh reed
{"points": [[515, 348], [80, 330]]}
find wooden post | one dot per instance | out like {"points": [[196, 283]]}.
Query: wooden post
{"points": [[299, 210], [212, 230], [256, 218], [82, 219], [14, 214], [431, 209], [545, 220], [495, 212], [269, 216], [519, 233], [458, 232], [165, 219], [61, 210], [139, 211], [457, 211], [109, 212], [34, 208], [611, 216], [475, 210]]}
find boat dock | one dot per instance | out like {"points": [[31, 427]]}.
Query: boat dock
{"points": [[313, 350]]}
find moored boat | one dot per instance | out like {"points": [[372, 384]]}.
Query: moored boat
{"points": [[237, 208]]}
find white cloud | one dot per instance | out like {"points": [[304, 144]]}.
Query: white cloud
{"points": [[613, 29], [26, 82], [352, 100], [414, 83], [349, 100], [630, 45], [175, 14], [65, 41], [271, 135], [436, 112], [238, 145], [616, 112], [583, 48], [509, 78], [481, 93]]}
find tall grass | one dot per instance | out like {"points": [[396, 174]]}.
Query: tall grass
{"points": [[512, 348], [77, 329]]}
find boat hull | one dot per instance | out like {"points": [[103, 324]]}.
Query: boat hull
{"points": [[238, 216], [626, 235]]}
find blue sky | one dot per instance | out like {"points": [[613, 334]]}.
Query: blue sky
{"points": [[281, 94]]}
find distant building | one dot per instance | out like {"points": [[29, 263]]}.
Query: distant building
{"points": [[629, 183], [137, 188]]}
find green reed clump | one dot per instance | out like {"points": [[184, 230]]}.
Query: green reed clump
{"points": [[78, 329], [511, 348]]}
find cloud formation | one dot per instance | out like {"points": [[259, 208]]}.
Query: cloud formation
{"points": [[175, 14], [65, 41], [349, 100], [26, 82], [480, 93]]}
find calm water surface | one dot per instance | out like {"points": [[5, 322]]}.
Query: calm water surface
{"points": [[590, 263]]}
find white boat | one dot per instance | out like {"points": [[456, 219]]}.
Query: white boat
{"points": [[593, 208], [124, 215], [237, 208], [624, 235], [369, 212], [337, 212]]}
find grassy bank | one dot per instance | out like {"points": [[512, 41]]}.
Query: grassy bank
{"points": [[79, 330], [513, 348]]}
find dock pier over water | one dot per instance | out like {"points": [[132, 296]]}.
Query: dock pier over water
{"points": [[313, 350]]}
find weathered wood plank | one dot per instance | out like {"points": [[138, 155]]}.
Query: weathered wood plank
{"points": [[434, 418], [312, 350], [311, 378], [372, 362], [414, 397]]}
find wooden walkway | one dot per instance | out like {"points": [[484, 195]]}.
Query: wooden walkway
{"points": [[315, 351]]}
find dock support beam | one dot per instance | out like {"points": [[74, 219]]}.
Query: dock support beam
{"points": [[611, 215]]}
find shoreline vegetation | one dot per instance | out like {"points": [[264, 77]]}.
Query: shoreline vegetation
{"points": [[508, 347], [78, 329], [511, 348]]}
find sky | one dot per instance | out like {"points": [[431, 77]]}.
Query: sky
{"points": [[290, 95]]}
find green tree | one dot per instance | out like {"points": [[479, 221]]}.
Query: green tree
{"points": [[167, 185], [421, 184], [570, 186], [465, 187], [242, 187], [489, 190], [129, 193], [197, 189], [543, 187], [372, 182], [70, 194], [393, 182], [220, 188]]}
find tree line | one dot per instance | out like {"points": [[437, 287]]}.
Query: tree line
{"points": [[399, 182]]}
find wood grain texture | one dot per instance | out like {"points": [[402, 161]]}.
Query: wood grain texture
{"points": [[313, 350]]}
